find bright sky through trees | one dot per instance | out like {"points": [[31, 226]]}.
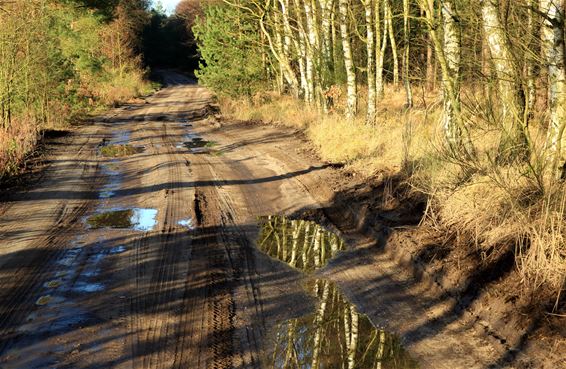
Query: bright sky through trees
{"points": [[169, 5]]}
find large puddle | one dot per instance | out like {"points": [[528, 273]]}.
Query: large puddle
{"points": [[137, 219], [335, 335]]}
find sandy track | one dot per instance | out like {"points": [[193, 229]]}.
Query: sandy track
{"points": [[191, 291]]}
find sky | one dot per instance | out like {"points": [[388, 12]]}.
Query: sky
{"points": [[168, 4]]}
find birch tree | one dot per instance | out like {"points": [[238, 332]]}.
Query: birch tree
{"points": [[553, 45], [352, 99], [370, 47], [448, 54], [513, 143], [381, 46], [406, 49]]}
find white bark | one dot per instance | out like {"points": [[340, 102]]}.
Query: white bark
{"points": [[513, 144], [451, 81], [380, 50], [389, 17], [406, 73], [352, 99], [553, 46], [370, 47]]}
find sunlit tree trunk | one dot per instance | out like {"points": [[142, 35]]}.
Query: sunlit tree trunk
{"points": [[513, 144], [380, 349], [391, 31], [288, 40], [311, 51], [353, 334], [430, 69], [370, 47], [352, 99], [553, 45], [448, 54], [284, 62], [533, 30], [297, 226], [406, 73], [327, 68], [380, 50], [319, 318]]}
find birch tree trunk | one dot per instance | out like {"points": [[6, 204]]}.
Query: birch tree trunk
{"points": [[513, 143], [530, 57], [352, 99], [327, 75], [288, 40], [406, 30], [553, 45], [370, 47], [302, 49], [452, 120], [319, 318], [448, 54], [285, 64], [380, 50], [390, 30], [353, 341], [311, 51], [430, 70]]}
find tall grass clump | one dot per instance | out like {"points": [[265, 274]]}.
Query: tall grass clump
{"points": [[492, 207]]}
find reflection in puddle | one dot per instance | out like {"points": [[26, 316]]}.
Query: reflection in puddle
{"points": [[302, 244], [118, 249], [335, 335], [197, 145], [115, 151], [136, 219], [187, 223], [43, 300], [114, 181], [52, 284], [87, 287]]}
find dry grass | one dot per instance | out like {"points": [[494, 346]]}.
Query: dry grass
{"points": [[15, 143], [489, 205]]}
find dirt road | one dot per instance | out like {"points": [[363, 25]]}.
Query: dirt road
{"points": [[149, 260]]}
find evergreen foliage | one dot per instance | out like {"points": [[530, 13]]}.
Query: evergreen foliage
{"points": [[231, 51]]}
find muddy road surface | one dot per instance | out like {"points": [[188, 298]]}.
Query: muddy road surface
{"points": [[150, 241]]}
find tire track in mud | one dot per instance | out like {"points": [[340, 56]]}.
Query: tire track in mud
{"points": [[19, 300]]}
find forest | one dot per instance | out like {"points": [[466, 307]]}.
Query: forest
{"points": [[463, 99], [283, 184]]}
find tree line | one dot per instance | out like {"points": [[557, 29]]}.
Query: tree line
{"points": [[60, 60], [496, 60]]}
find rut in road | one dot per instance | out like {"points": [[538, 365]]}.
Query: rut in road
{"points": [[148, 260], [181, 292]]}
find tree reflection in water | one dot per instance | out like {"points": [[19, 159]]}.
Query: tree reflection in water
{"points": [[335, 335]]}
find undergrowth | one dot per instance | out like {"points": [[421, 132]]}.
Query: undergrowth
{"points": [[491, 206]]}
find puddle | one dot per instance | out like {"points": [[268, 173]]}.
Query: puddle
{"points": [[187, 223], [116, 151], [52, 284], [335, 335], [137, 219], [114, 181], [87, 287], [118, 250], [197, 145], [43, 300], [302, 244], [121, 137]]}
